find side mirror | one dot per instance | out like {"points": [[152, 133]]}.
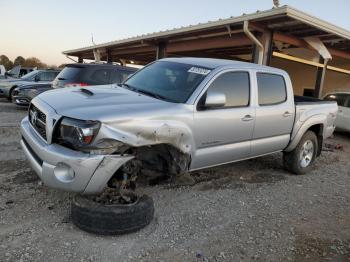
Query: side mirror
{"points": [[37, 78], [215, 99]]}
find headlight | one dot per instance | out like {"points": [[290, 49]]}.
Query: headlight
{"points": [[108, 146], [78, 133]]}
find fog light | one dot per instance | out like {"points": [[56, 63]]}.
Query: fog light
{"points": [[64, 173]]}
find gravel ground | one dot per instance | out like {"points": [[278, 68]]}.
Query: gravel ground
{"points": [[253, 210]]}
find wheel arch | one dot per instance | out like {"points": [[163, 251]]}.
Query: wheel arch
{"points": [[11, 90], [314, 124]]}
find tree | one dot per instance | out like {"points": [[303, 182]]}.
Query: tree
{"points": [[6, 62], [34, 62], [19, 60]]}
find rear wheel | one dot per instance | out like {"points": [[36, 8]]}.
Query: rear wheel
{"points": [[300, 160]]}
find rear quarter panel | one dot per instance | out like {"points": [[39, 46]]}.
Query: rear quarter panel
{"points": [[309, 114]]}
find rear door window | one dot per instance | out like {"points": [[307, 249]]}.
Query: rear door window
{"points": [[47, 76], [271, 89], [116, 77], [101, 76]]}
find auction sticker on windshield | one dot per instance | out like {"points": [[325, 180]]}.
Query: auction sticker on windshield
{"points": [[198, 70]]}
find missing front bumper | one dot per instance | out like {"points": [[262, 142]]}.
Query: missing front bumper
{"points": [[62, 168]]}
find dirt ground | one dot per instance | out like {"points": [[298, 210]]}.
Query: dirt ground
{"points": [[252, 210]]}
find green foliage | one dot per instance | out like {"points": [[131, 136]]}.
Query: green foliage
{"points": [[19, 60], [34, 62], [4, 60]]}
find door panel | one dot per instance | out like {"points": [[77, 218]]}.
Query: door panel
{"points": [[343, 118], [340, 121], [275, 115], [222, 136]]}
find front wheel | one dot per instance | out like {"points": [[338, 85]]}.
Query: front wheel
{"points": [[11, 93], [300, 160]]}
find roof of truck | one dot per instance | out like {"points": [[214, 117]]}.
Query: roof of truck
{"points": [[213, 63]]}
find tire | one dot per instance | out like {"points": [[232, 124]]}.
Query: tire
{"points": [[297, 161], [10, 93], [118, 219]]}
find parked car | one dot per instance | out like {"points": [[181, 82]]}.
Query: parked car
{"points": [[23, 94], [91, 74], [173, 116], [16, 72], [343, 118], [42, 76]]}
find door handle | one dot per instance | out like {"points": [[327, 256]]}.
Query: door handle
{"points": [[287, 114], [247, 118]]}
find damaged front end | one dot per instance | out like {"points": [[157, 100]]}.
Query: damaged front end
{"points": [[153, 152]]}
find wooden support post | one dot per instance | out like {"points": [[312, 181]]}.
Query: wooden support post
{"points": [[161, 52], [255, 54], [267, 41], [321, 73], [122, 62], [109, 56], [80, 59]]}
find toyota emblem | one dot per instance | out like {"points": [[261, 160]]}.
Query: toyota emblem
{"points": [[34, 117]]}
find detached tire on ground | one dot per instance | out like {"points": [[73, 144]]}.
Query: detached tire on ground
{"points": [[300, 160], [98, 218]]}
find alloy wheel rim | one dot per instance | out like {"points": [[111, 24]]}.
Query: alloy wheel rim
{"points": [[307, 153]]}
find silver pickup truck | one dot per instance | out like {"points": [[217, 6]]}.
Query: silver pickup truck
{"points": [[174, 116]]}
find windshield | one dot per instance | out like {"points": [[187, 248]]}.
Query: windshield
{"points": [[29, 76], [171, 81]]}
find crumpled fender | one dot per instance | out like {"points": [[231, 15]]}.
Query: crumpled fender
{"points": [[137, 133]]}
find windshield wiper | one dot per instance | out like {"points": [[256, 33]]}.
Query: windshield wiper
{"points": [[151, 94], [127, 87], [144, 92]]}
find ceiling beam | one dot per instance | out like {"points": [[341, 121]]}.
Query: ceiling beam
{"points": [[288, 39], [208, 43]]}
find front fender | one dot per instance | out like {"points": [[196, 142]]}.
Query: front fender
{"points": [[139, 133]]}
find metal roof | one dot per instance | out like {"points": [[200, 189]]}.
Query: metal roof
{"points": [[284, 19]]}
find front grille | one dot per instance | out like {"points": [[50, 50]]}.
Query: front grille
{"points": [[38, 120]]}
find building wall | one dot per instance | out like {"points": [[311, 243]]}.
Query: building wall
{"points": [[304, 76]]}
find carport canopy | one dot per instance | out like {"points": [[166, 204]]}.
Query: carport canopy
{"points": [[267, 33]]}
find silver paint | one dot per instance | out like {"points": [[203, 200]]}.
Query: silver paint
{"points": [[211, 137]]}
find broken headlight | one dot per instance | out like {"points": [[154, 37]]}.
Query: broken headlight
{"points": [[77, 133], [108, 146]]}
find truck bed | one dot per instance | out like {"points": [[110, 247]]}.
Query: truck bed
{"points": [[308, 107], [310, 100]]}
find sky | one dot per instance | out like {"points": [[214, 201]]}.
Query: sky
{"points": [[45, 28]]}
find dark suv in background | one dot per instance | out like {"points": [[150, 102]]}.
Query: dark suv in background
{"points": [[91, 74], [74, 75]]}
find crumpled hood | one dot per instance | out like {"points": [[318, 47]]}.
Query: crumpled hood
{"points": [[104, 104]]}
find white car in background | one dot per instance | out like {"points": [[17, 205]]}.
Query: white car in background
{"points": [[343, 117]]}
